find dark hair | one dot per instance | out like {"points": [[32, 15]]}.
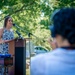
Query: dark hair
{"points": [[64, 24], [5, 20]]}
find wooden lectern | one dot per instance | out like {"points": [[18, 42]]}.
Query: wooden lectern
{"points": [[17, 48]]}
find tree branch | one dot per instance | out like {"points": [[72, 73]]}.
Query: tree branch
{"points": [[18, 9]]}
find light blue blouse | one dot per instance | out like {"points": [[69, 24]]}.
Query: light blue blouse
{"points": [[57, 62]]}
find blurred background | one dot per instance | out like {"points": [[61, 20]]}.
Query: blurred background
{"points": [[33, 16]]}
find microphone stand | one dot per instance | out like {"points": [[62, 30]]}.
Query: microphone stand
{"points": [[28, 33], [28, 37], [19, 34], [29, 45]]}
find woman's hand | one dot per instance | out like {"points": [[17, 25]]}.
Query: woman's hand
{"points": [[1, 41]]}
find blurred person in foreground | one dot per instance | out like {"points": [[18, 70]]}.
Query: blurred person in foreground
{"points": [[60, 61]]}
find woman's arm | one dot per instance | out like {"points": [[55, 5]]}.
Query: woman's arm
{"points": [[1, 33]]}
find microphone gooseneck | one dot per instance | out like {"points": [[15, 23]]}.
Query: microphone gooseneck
{"points": [[19, 34]]}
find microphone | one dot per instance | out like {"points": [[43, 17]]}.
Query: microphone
{"points": [[23, 30], [15, 25], [19, 34]]}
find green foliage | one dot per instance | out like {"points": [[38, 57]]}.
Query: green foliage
{"points": [[66, 3], [33, 16]]}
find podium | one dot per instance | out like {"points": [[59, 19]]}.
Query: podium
{"points": [[17, 49]]}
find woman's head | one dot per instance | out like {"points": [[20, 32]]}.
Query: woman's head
{"points": [[8, 22], [64, 24]]}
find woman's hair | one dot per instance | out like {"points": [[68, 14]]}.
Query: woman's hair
{"points": [[64, 24], [5, 21]]}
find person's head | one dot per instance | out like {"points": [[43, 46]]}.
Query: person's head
{"points": [[64, 26], [8, 22]]}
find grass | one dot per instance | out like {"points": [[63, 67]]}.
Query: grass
{"points": [[27, 71], [28, 67]]}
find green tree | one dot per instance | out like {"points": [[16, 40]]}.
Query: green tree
{"points": [[33, 16]]}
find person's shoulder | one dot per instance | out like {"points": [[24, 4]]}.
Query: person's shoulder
{"points": [[39, 56], [1, 32], [1, 29], [45, 56], [38, 63]]}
